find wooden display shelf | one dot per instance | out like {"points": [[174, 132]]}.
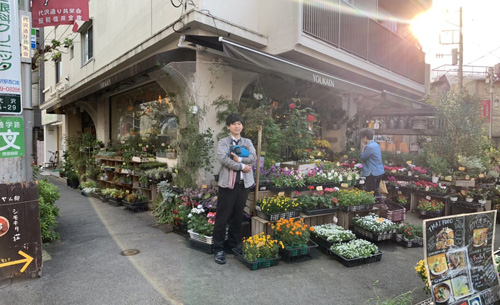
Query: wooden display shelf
{"points": [[320, 219], [345, 217]]}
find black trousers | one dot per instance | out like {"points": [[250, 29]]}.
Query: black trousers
{"points": [[372, 184], [230, 205]]}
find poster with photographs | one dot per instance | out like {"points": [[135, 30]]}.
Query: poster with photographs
{"points": [[459, 256]]}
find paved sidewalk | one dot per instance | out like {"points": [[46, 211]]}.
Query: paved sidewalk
{"points": [[87, 268]]}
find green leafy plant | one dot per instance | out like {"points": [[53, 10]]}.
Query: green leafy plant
{"points": [[48, 194], [260, 247], [357, 248], [200, 222], [438, 165]]}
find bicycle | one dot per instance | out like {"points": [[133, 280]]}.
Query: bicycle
{"points": [[54, 159]]}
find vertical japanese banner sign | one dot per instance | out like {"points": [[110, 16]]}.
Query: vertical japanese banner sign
{"points": [[56, 12], [10, 58], [459, 258], [486, 108]]}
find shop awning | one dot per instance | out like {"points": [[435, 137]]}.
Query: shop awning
{"points": [[248, 58], [107, 81]]}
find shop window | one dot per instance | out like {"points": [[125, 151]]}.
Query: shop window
{"points": [[145, 112]]}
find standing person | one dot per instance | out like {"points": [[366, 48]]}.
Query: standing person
{"points": [[371, 156], [235, 179]]}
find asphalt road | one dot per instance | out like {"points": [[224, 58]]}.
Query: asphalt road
{"points": [[86, 267]]}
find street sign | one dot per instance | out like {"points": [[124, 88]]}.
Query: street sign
{"points": [[20, 233], [11, 137], [10, 103]]}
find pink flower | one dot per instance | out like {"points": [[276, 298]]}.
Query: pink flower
{"points": [[310, 118], [292, 106]]}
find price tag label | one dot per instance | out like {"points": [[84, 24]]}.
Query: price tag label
{"points": [[428, 197], [204, 186], [345, 185], [467, 177], [393, 171], [447, 178], [399, 193], [481, 176], [346, 156], [281, 194], [335, 219], [352, 149], [398, 152], [147, 146], [319, 188], [426, 188], [338, 164], [461, 168], [472, 179], [409, 162], [349, 177]]}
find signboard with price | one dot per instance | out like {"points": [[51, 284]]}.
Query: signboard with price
{"points": [[459, 257]]}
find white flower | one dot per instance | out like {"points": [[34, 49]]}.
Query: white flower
{"points": [[200, 206], [190, 215]]}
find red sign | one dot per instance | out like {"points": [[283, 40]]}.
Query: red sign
{"points": [[56, 12], [486, 108]]}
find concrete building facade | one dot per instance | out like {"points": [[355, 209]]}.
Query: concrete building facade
{"points": [[350, 55]]}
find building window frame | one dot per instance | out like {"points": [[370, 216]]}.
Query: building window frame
{"points": [[87, 44]]}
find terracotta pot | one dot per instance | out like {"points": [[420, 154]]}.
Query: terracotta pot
{"points": [[383, 146], [404, 147], [391, 147]]}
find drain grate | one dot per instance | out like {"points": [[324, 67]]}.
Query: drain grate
{"points": [[130, 252]]}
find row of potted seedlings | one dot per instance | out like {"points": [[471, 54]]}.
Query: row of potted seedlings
{"points": [[323, 174], [316, 202]]}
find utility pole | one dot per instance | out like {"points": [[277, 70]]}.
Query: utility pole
{"points": [[492, 96], [28, 113], [461, 55]]}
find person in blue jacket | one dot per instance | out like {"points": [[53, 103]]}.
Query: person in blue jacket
{"points": [[371, 157]]}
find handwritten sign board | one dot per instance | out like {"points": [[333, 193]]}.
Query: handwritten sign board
{"points": [[20, 237], [459, 258]]}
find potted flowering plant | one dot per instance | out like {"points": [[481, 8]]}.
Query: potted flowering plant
{"points": [[374, 227], [328, 234], [319, 202], [353, 200], [294, 234], [402, 199], [201, 225], [356, 252], [259, 251], [432, 208], [273, 208], [286, 179], [453, 194], [421, 271]]}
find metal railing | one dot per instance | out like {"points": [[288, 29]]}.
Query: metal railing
{"points": [[343, 26]]}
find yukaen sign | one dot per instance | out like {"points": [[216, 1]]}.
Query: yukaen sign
{"points": [[56, 12], [323, 80]]}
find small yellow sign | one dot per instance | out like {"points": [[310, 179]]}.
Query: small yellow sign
{"points": [[461, 168], [393, 171], [409, 162], [204, 186], [319, 188], [448, 178], [352, 149], [344, 185], [481, 176], [346, 156], [281, 194]]}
